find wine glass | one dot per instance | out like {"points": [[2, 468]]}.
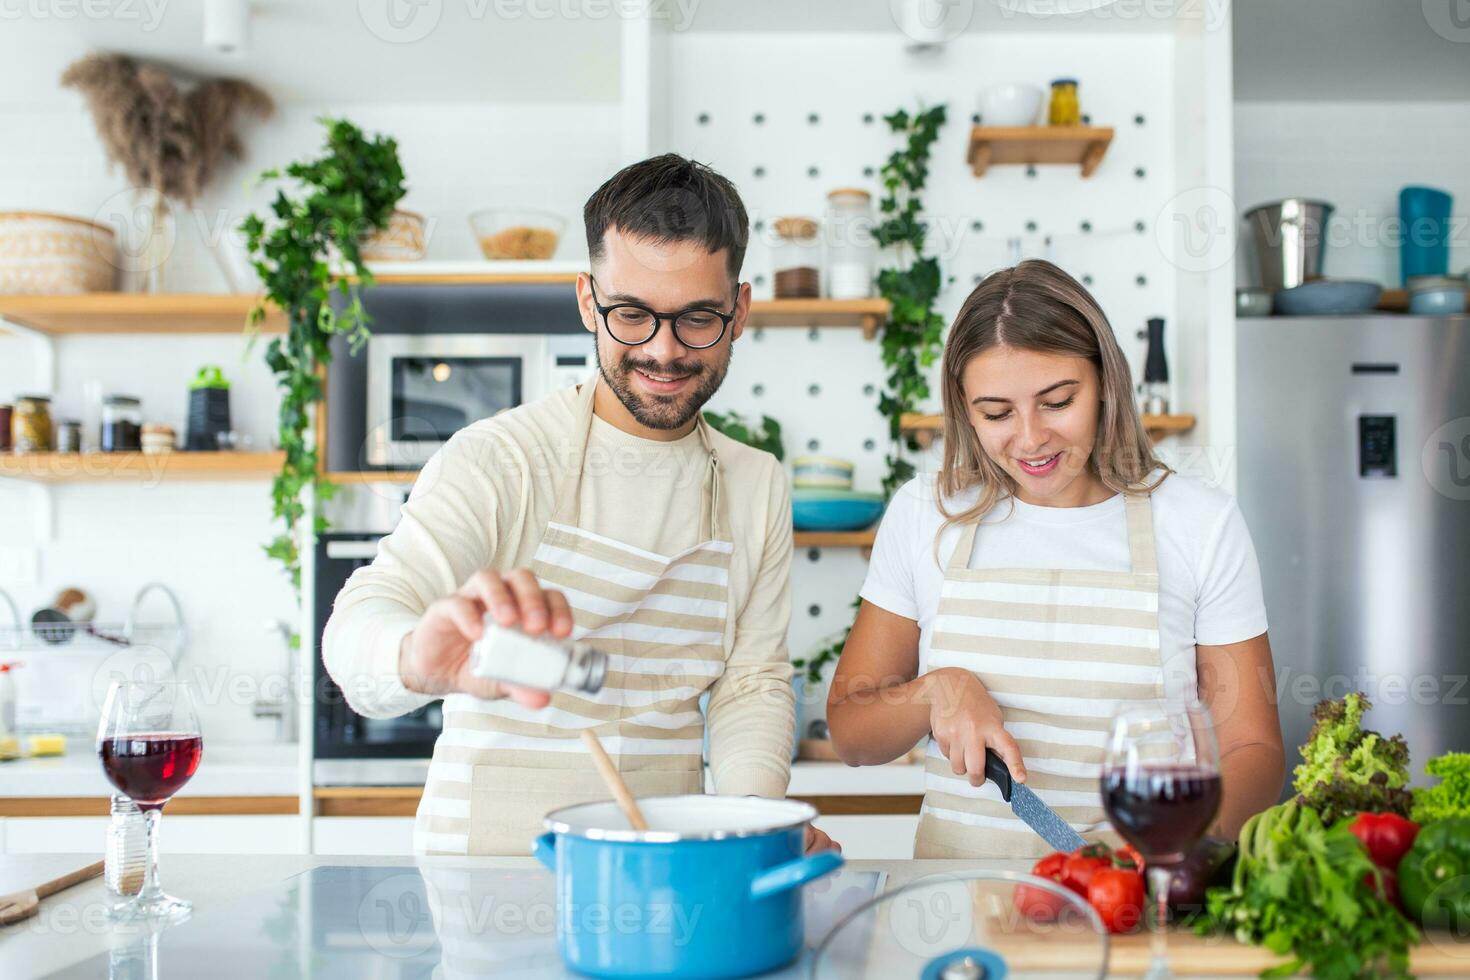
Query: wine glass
{"points": [[1161, 790], [149, 744]]}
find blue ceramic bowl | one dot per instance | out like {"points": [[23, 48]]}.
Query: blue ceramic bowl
{"points": [[834, 510], [712, 889], [1447, 299], [1328, 297]]}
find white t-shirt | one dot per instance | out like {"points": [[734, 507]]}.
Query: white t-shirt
{"points": [[1209, 580]]}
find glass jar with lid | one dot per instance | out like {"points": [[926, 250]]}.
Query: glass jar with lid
{"points": [[796, 259], [851, 250], [1064, 109], [122, 424], [30, 424]]}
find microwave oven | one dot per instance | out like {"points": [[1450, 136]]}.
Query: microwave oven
{"points": [[422, 388]]}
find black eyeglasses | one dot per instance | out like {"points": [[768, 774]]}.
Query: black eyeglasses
{"points": [[630, 324]]}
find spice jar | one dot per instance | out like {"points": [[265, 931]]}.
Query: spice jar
{"points": [[158, 438], [68, 436], [796, 259], [5, 413], [850, 245], [1065, 110], [30, 424], [122, 424]]}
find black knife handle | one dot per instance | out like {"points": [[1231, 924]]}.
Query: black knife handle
{"points": [[996, 772]]}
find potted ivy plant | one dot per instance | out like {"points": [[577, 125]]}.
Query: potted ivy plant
{"points": [[305, 251]]}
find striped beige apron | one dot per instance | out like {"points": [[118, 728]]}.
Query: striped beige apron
{"points": [[1060, 650], [498, 767]]}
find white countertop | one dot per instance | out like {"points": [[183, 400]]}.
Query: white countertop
{"points": [[72, 926], [270, 769], [238, 769]]}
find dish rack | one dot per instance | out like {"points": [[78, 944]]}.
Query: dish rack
{"points": [[167, 637], [66, 666]]}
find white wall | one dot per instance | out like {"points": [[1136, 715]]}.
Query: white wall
{"points": [[204, 539], [1356, 156]]}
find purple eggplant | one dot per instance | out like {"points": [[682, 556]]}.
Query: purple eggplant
{"points": [[1210, 863]]}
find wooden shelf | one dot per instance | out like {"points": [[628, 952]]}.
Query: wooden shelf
{"points": [[136, 313], [139, 467], [870, 314], [926, 428], [206, 313], [373, 476], [1082, 146], [835, 539]]}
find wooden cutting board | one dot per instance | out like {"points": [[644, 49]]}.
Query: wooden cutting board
{"points": [[982, 911], [1440, 955]]}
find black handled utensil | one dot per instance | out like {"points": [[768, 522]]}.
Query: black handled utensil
{"points": [[1029, 807]]}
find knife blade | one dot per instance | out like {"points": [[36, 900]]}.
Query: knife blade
{"points": [[1030, 808]]}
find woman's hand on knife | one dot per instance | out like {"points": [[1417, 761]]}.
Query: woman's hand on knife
{"points": [[965, 721], [435, 658]]}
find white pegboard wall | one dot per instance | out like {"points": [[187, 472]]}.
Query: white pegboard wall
{"points": [[788, 117]]}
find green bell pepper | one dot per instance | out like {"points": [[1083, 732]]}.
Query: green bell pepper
{"points": [[1434, 876]]}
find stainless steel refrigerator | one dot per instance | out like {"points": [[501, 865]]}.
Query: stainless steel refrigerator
{"points": [[1354, 477]]}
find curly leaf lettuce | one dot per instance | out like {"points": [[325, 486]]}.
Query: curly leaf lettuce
{"points": [[1346, 770], [1451, 797]]}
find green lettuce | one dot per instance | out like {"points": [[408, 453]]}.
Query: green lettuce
{"points": [[1451, 797], [1346, 770]]}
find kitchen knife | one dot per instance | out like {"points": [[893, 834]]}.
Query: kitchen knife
{"points": [[1029, 807]]}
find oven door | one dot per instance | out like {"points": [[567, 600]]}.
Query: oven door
{"points": [[340, 732], [422, 388]]}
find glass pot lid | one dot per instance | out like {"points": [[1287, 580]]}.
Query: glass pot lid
{"points": [[980, 925]]}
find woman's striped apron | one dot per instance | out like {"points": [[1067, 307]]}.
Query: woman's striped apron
{"points": [[1060, 650], [498, 767]]}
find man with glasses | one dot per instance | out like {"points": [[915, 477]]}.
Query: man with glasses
{"points": [[610, 513]]}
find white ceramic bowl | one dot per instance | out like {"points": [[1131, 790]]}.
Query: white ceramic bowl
{"points": [[1010, 104]]}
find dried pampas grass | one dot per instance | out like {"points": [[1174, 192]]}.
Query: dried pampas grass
{"points": [[164, 139]]}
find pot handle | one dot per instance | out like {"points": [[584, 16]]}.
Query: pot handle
{"points": [[543, 849], [792, 874]]}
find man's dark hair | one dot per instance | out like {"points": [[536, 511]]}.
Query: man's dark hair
{"points": [[670, 199]]}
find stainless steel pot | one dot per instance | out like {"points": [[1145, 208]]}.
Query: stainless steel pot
{"points": [[1289, 236]]}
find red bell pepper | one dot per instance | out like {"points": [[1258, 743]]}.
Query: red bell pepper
{"points": [[1387, 836]]}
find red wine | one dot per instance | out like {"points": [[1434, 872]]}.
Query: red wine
{"points": [[1161, 810], [150, 767]]}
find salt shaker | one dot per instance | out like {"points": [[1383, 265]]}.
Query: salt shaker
{"points": [[506, 654], [125, 860]]}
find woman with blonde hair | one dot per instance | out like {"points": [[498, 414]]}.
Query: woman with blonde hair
{"points": [[1051, 571]]}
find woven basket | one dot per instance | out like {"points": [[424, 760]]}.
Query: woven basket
{"points": [[50, 254]]}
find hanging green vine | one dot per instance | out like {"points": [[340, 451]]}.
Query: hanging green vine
{"points": [[338, 198], [913, 335]]}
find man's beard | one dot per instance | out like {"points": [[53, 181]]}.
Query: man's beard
{"points": [[662, 412]]}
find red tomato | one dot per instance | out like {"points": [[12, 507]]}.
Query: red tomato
{"points": [[1035, 903], [1129, 854], [1117, 895], [1082, 864]]}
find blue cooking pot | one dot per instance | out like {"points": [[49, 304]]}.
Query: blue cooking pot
{"points": [[712, 889]]}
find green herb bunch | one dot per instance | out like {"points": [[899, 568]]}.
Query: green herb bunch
{"points": [[1311, 893]]}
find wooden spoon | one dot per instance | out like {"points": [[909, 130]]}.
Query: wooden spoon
{"points": [[23, 905], [614, 780]]}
